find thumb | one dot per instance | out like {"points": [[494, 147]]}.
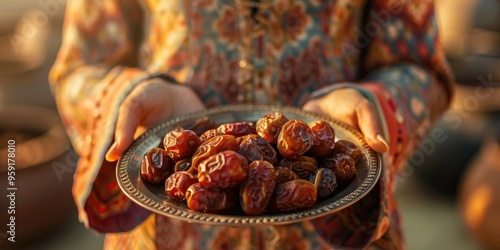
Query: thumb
{"points": [[312, 106], [126, 124], [370, 127]]}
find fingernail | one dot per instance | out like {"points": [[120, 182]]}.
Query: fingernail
{"points": [[111, 149], [381, 139]]}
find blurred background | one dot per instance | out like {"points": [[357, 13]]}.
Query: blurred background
{"points": [[447, 195]]}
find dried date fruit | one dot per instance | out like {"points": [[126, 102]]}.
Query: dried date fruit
{"points": [[323, 139], [203, 124], [177, 184], [183, 165], [210, 199], [284, 175], [209, 134], [156, 166], [343, 166], [181, 143], [239, 139], [295, 139], [225, 170], [293, 195], [212, 146], [302, 166], [258, 188], [324, 181], [254, 148], [347, 147], [269, 126], [237, 128]]}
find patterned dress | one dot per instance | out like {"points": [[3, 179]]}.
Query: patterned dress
{"points": [[281, 52]]}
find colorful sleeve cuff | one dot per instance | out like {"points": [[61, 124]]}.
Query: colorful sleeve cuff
{"points": [[97, 195]]}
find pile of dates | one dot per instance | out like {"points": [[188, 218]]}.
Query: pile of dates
{"points": [[271, 166]]}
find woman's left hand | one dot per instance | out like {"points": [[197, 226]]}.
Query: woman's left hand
{"points": [[349, 106]]}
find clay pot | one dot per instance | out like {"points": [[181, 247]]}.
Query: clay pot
{"points": [[27, 51], [44, 166], [480, 196]]}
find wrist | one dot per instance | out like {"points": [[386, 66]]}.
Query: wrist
{"points": [[328, 89]]}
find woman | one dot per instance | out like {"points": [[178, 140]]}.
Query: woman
{"points": [[375, 65]]}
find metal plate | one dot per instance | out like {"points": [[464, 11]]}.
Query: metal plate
{"points": [[152, 197]]}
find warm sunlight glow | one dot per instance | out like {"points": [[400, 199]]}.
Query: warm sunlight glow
{"points": [[478, 203]]}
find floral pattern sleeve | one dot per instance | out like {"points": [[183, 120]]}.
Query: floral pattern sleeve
{"points": [[404, 73], [94, 70], [409, 79], [406, 70]]}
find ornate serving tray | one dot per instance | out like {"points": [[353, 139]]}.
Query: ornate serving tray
{"points": [[152, 197]]}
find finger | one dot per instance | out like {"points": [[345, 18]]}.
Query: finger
{"points": [[142, 129], [126, 124], [312, 106], [370, 127]]}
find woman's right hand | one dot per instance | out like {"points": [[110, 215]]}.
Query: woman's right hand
{"points": [[147, 105]]}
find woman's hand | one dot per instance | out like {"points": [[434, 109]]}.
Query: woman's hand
{"points": [[147, 105], [349, 106]]}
